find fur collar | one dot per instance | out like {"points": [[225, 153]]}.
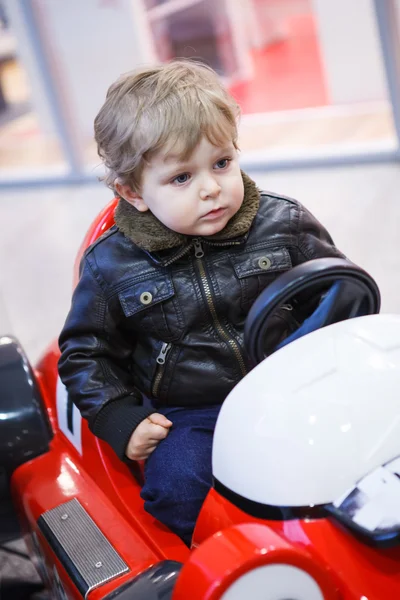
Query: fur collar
{"points": [[148, 233]]}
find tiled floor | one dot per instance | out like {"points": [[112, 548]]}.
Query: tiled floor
{"points": [[40, 231], [18, 577]]}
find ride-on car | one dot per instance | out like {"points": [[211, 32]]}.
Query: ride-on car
{"points": [[306, 464]]}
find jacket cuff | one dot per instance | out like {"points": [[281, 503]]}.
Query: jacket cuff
{"points": [[116, 422]]}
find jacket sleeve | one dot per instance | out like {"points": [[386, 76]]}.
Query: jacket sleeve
{"points": [[313, 240], [95, 365]]}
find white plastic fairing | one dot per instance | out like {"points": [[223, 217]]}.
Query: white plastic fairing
{"points": [[274, 582], [315, 417]]}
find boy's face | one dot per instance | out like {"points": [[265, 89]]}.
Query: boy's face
{"points": [[195, 197]]}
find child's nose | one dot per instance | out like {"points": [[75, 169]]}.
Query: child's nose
{"points": [[210, 188]]}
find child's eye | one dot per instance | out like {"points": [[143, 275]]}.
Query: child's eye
{"points": [[223, 163], [180, 179]]}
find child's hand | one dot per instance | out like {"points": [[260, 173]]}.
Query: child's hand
{"points": [[147, 436]]}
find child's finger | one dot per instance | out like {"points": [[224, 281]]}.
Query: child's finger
{"points": [[143, 451], [157, 433], [159, 419]]}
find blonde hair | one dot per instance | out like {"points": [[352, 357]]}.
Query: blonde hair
{"points": [[164, 107]]}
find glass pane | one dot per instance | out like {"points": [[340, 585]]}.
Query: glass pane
{"points": [[197, 29], [308, 74], [29, 146], [318, 84]]}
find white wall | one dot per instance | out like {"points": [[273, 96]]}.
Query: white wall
{"points": [[350, 50]]}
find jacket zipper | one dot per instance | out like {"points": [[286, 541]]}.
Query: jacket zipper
{"points": [[199, 253], [181, 254], [160, 360], [187, 249], [222, 244]]}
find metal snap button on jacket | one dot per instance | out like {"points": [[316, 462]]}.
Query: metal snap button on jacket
{"points": [[264, 262], [146, 298]]}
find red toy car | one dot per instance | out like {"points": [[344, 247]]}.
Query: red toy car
{"points": [[299, 510]]}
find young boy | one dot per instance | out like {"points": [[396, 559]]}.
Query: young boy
{"points": [[163, 295]]}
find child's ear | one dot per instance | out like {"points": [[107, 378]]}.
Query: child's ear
{"points": [[126, 192]]}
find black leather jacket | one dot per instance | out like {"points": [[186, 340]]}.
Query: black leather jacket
{"points": [[169, 324]]}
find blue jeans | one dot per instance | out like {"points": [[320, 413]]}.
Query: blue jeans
{"points": [[178, 473]]}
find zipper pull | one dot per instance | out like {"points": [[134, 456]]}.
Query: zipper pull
{"points": [[198, 248], [287, 307], [163, 353]]}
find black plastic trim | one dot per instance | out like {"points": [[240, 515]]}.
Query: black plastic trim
{"points": [[156, 583], [25, 431], [268, 511], [70, 415], [377, 539]]}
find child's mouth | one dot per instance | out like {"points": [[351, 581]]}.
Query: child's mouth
{"points": [[214, 214]]}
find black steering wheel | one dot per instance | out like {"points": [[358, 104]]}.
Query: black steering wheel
{"points": [[333, 289]]}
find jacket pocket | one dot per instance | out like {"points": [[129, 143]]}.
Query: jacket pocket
{"points": [[257, 268], [151, 306]]}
